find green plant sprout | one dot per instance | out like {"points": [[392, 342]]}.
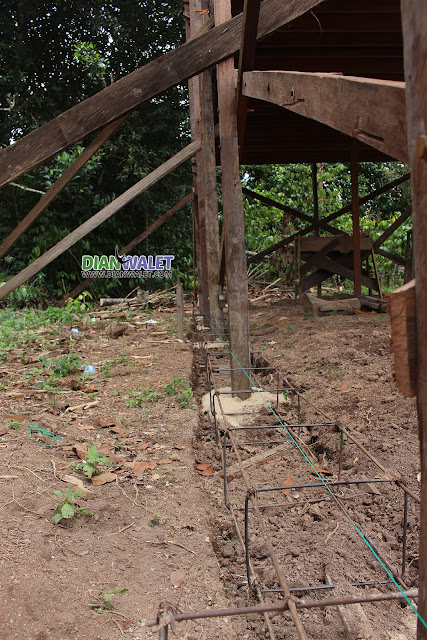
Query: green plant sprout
{"points": [[179, 388], [102, 600], [142, 396], [67, 508], [89, 467]]}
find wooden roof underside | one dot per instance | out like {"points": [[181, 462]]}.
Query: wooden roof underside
{"points": [[357, 38]]}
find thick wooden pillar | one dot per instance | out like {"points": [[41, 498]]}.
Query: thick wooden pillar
{"points": [[414, 26], [357, 262], [234, 232], [193, 23], [208, 200]]}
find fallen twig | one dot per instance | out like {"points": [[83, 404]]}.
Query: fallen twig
{"points": [[329, 536]]}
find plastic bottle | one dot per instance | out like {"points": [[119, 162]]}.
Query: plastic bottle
{"points": [[89, 370]]}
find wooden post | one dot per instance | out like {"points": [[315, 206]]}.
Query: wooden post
{"points": [[180, 311], [193, 23], [208, 200], [234, 228], [357, 262], [414, 27], [315, 211]]}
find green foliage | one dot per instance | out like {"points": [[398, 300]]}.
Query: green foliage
{"points": [[143, 395], [102, 600], [179, 388], [67, 508], [80, 303], [62, 366], [90, 466]]}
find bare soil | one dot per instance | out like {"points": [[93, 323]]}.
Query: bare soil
{"points": [[161, 530]]}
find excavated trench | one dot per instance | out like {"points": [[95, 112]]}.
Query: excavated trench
{"points": [[353, 538]]}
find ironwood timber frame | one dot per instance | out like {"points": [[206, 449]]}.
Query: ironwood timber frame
{"points": [[370, 110], [334, 216], [234, 231], [99, 218], [414, 23], [145, 83], [84, 284]]}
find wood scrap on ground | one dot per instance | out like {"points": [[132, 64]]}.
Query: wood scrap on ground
{"points": [[319, 306]]}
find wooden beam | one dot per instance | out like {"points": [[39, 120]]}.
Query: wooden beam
{"points": [[99, 218], [414, 27], [357, 261], [332, 216], [313, 261], [208, 201], [84, 284], [156, 77], [234, 226], [246, 62], [193, 25], [342, 267], [391, 256], [403, 326], [371, 110], [392, 228], [59, 185], [290, 210]]}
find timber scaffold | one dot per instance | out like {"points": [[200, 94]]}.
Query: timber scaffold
{"points": [[277, 81]]}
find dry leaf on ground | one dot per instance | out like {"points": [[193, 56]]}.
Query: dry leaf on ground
{"points": [[103, 478], [176, 577], [205, 469], [288, 482], [106, 422]]}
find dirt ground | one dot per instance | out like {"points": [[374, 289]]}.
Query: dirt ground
{"points": [[159, 528]]}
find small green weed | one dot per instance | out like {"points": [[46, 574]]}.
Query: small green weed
{"points": [[142, 396], [62, 366], [308, 314], [15, 425], [89, 467], [80, 303], [102, 600], [179, 388], [67, 508]]}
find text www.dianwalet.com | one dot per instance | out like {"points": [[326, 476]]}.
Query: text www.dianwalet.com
{"points": [[126, 274]]}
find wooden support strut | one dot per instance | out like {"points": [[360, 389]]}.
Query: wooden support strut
{"points": [[332, 216], [234, 232], [60, 184], [290, 210], [84, 284], [141, 85], [414, 28], [99, 218]]}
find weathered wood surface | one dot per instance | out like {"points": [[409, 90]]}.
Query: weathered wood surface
{"points": [[59, 185], [246, 62], [404, 338], [208, 199], [344, 243], [414, 28], [180, 311], [395, 225], [319, 305], [340, 266], [234, 226], [312, 261], [371, 110], [99, 218], [154, 78], [376, 304]]}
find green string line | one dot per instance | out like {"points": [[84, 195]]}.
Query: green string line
{"points": [[362, 536], [44, 432]]}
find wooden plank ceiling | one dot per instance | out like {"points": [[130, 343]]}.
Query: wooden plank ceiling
{"points": [[357, 38]]}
